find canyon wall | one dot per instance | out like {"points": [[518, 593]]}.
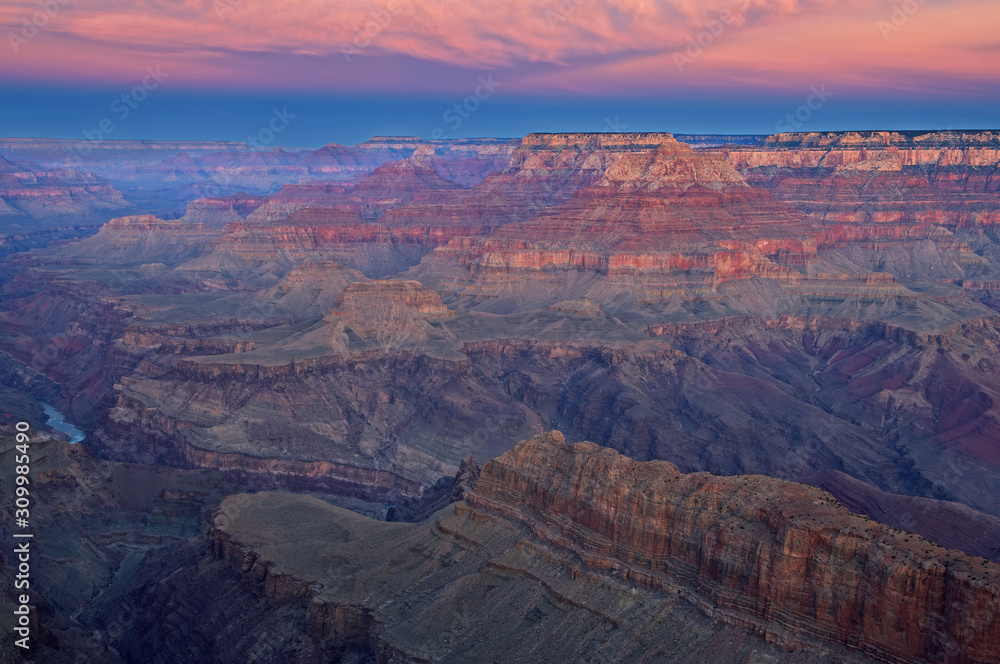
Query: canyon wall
{"points": [[764, 550], [564, 552]]}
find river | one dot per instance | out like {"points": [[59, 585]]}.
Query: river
{"points": [[57, 422]]}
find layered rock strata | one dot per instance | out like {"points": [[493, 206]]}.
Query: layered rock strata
{"points": [[760, 550], [567, 552]]}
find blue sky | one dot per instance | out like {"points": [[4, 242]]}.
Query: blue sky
{"points": [[351, 118]]}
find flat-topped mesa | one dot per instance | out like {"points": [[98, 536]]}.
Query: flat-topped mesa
{"points": [[907, 182], [222, 210], [778, 557], [134, 226], [415, 142], [13, 145], [597, 141], [663, 211], [911, 159], [362, 295]]}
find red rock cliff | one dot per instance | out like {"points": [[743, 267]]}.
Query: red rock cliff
{"points": [[779, 557]]}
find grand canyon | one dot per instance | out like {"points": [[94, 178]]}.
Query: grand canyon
{"points": [[609, 397]]}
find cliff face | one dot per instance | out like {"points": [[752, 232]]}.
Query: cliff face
{"points": [[949, 524], [909, 179], [564, 552], [144, 239], [651, 208], [882, 139], [761, 549], [32, 197], [221, 211], [130, 229], [411, 294], [466, 586], [325, 422]]}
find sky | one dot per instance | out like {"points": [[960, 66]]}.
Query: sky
{"points": [[344, 70]]}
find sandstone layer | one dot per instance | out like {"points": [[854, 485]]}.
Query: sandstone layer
{"points": [[761, 549]]}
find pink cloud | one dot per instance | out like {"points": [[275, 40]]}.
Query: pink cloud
{"points": [[543, 46]]}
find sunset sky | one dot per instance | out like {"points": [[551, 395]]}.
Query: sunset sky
{"points": [[348, 69]]}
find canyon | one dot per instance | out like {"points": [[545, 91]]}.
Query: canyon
{"points": [[352, 324], [567, 552]]}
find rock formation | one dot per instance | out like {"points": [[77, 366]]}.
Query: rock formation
{"points": [[760, 550], [952, 525], [564, 552], [660, 300], [32, 197], [359, 321]]}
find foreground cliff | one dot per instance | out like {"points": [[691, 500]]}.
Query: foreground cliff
{"points": [[778, 558], [567, 553]]}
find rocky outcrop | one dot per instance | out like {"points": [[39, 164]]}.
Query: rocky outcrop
{"points": [[498, 593], [904, 179], [776, 557], [145, 239], [952, 525], [32, 197], [130, 229], [412, 294], [563, 552], [221, 211]]}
